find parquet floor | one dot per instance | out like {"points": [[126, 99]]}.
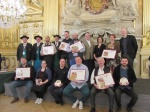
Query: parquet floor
{"points": [[46, 106]]}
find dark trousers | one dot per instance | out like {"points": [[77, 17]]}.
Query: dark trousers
{"points": [[39, 94], [90, 64], [130, 60], [56, 92], [108, 91], [130, 92], [68, 92]]}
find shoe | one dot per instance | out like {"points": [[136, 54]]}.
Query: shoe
{"points": [[129, 109], [40, 101], [26, 100], [61, 102], [75, 104], [118, 110], [80, 105], [14, 100], [57, 102], [37, 100], [92, 110], [110, 110]]}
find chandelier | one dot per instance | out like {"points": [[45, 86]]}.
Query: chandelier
{"points": [[11, 12]]}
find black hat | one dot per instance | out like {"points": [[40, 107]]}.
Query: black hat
{"points": [[24, 36], [38, 36], [57, 36]]}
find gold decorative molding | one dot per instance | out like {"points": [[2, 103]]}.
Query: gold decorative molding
{"points": [[145, 61]]}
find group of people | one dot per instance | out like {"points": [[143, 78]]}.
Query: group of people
{"points": [[53, 71]]}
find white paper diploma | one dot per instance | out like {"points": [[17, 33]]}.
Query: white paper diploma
{"points": [[63, 46], [22, 72], [77, 45], [48, 50], [77, 75], [110, 54], [107, 78]]}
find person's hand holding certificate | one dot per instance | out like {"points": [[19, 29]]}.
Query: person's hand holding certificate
{"points": [[22, 72], [48, 50], [78, 75], [63, 46], [109, 54], [104, 80], [77, 46]]}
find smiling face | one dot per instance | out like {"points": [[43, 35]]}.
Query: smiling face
{"points": [[24, 40], [38, 39], [62, 62], [87, 36], [124, 32], [47, 39], [43, 64], [101, 62], [124, 62], [78, 60]]}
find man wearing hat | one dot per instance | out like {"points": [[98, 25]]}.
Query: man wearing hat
{"points": [[36, 56], [58, 54], [24, 49]]}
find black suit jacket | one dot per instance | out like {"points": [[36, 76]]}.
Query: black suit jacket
{"points": [[58, 51], [34, 48], [131, 76], [28, 51], [132, 46]]}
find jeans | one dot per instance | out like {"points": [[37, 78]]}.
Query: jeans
{"points": [[108, 91], [72, 62], [130, 92], [69, 89], [18, 83], [56, 92]]}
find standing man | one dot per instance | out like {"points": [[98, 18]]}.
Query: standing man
{"points": [[77, 85], [126, 72], [101, 70], [58, 54], [24, 49], [67, 39], [36, 56], [28, 82], [88, 55], [49, 58], [60, 75], [73, 52], [128, 46]]}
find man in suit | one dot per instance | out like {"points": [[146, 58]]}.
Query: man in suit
{"points": [[88, 55], [125, 72], [36, 56], [24, 49], [128, 46], [58, 54]]}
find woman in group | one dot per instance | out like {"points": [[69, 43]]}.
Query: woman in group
{"points": [[43, 76], [113, 45], [98, 50]]}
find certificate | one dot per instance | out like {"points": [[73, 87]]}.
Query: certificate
{"points": [[77, 46], [106, 79], [110, 54], [22, 72], [48, 50], [77, 75], [63, 46]]}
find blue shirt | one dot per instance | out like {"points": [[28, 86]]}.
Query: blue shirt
{"points": [[80, 83]]}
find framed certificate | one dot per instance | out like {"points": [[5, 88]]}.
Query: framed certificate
{"points": [[109, 54], [48, 50], [106, 78], [77, 75], [22, 72], [63, 46], [77, 46]]}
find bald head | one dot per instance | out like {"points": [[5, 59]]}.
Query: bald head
{"points": [[124, 32], [100, 61], [75, 36], [47, 39]]}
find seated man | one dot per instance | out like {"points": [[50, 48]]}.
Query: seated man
{"points": [[100, 70], [28, 82], [77, 84], [124, 77], [60, 82]]}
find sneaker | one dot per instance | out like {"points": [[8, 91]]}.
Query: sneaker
{"points": [[37, 100], [75, 104], [26, 100], [40, 101], [80, 105], [14, 100]]}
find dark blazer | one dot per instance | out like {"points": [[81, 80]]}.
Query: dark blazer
{"points": [[132, 46], [98, 51], [34, 48], [58, 51], [28, 51], [131, 76]]}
